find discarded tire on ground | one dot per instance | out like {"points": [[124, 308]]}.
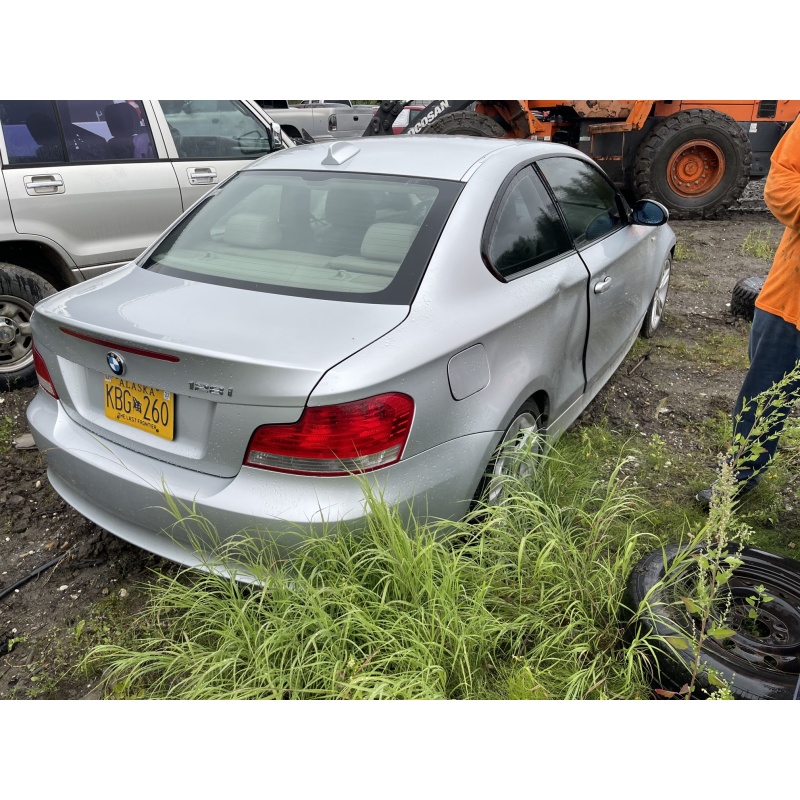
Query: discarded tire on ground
{"points": [[695, 162], [761, 660], [743, 298]]}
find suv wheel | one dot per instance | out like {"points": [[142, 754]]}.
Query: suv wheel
{"points": [[20, 291]]}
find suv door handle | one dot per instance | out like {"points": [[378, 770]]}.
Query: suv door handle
{"points": [[602, 286], [201, 175], [43, 184]]}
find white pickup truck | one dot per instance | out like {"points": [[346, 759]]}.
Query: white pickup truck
{"points": [[319, 120]]}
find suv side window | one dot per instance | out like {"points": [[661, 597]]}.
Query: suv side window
{"points": [[526, 230], [586, 198], [31, 132], [41, 131], [211, 129], [105, 130]]}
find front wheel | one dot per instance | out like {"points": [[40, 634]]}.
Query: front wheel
{"points": [[20, 291], [514, 458], [655, 311]]}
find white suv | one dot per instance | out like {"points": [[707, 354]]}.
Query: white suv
{"points": [[88, 184]]}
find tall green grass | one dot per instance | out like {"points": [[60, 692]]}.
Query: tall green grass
{"points": [[521, 600]]}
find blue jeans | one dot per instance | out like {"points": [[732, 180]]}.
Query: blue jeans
{"points": [[774, 351]]}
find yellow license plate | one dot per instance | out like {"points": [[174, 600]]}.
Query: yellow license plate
{"points": [[151, 410]]}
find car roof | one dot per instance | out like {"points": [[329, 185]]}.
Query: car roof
{"points": [[430, 156]]}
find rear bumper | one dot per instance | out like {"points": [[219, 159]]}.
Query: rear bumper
{"points": [[124, 491]]}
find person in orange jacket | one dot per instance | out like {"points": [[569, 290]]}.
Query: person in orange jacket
{"points": [[774, 347]]}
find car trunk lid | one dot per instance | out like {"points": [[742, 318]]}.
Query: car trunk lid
{"points": [[229, 359]]}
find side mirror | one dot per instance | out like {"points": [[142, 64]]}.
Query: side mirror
{"points": [[649, 212], [277, 139]]}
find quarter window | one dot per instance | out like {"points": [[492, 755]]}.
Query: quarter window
{"points": [[587, 199], [526, 230]]}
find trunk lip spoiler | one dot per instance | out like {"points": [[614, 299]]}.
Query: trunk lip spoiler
{"points": [[139, 351]]}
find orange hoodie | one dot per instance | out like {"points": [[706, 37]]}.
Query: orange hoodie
{"points": [[780, 294]]}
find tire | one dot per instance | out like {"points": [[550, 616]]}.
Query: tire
{"points": [[20, 291], [743, 298], [695, 162], [466, 123], [761, 661], [517, 439], [655, 311]]}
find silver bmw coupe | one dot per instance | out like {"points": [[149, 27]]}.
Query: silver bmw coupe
{"points": [[403, 310]]}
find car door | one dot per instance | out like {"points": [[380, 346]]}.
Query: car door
{"points": [[620, 258], [540, 345], [90, 175], [209, 140]]}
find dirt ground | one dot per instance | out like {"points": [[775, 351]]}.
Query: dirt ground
{"points": [[47, 619]]}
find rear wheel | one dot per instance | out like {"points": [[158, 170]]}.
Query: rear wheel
{"points": [[466, 123], [512, 459], [20, 290], [695, 162]]}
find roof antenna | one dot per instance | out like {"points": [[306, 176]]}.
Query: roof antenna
{"points": [[339, 152]]}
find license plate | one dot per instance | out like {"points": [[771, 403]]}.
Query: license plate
{"points": [[142, 407]]}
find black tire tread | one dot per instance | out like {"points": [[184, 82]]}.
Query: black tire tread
{"points": [[466, 123], [708, 123], [744, 296]]}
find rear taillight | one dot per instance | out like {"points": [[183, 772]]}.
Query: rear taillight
{"points": [[336, 440], [43, 374]]}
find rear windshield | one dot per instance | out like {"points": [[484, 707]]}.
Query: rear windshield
{"points": [[354, 237]]}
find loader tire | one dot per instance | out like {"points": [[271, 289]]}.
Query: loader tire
{"points": [[466, 123], [695, 162]]}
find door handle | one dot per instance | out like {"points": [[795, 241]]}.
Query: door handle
{"points": [[43, 184], [603, 285], [201, 175]]}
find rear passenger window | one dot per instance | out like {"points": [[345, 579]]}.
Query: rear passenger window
{"points": [[43, 131], [526, 230], [586, 198], [105, 130], [31, 132], [215, 129]]}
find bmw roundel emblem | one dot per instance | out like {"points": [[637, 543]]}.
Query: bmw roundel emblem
{"points": [[115, 363]]}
